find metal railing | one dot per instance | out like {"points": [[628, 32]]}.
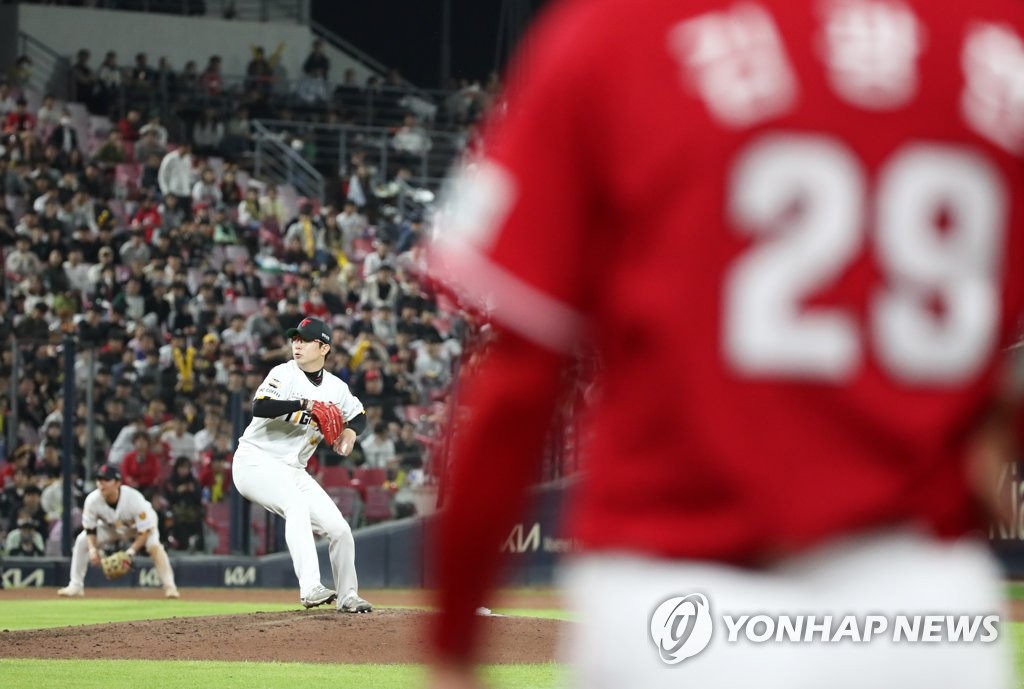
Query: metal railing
{"points": [[50, 71], [277, 161], [246, 10], [369, 105], [329, 148]]}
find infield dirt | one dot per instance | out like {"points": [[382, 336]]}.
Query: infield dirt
{"points": [[320, 635]]}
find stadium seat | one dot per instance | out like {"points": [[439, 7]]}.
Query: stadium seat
{"points": [[348, 502], [236, 253], [335, 477], [371, 476], [218, 521], [246, 306], [361, 246], [378, 505]]}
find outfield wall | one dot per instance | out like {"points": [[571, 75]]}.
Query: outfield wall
{"points": [[395, 555]]}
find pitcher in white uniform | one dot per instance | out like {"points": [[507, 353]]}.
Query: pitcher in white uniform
{"points": [[114, 514], [269, 465]]}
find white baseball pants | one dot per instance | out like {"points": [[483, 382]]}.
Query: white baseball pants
{"points": [[106, 536], [295, 495]]}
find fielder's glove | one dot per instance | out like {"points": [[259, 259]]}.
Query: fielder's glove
{"points": [[328, 417], [116, 565]]}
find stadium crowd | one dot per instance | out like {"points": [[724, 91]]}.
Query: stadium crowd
{"points": [[175, 274]]}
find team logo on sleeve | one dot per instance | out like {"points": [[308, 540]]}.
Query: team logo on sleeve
{"points": [[142, 515], [273, 383]]}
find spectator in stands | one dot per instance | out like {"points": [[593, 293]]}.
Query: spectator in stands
{"points": [[20, 72], [249, 213], [31, 505], [179, 441], [317, 63], [271, 206], [146, 218], [183, 494], [260, 70], [409, 451], [307, 230], [230, 190], [411, 139], [84, 79], [76, 270], [208, 133], [20, 119], [111, 152], [48, 115], [108, 83], [64, 137], [237, 134], [352, 224], [312, 91], [158, 129], [175, 176], [379, 448], [210, 81], [141, 466], [129, 125], [22, 262], [142, 79], [135, 249], [215, 474], [205, 191], [205, 437], [171, 213], [24, 540], [7, 99], [149, 146], [381, 288]]}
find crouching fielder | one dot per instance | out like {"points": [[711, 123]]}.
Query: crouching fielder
{"points": [[114, 514], [269, 466]]}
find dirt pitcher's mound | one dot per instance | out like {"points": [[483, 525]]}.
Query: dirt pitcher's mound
{"points": [[308, 636]]}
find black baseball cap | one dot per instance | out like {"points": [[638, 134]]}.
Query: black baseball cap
{"points": [[109, 472], [311, 329]]}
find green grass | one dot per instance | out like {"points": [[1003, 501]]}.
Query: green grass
{"points": [[40, 614], [152, 674]]}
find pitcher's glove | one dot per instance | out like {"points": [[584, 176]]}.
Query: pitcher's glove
{"points": [[116, 565], [328, 417]]}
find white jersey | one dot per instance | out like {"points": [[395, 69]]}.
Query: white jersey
{"points": [[292, 438], [132, 514]]}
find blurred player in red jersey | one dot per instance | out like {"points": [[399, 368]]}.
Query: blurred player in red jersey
{"points": [[793, 232]]}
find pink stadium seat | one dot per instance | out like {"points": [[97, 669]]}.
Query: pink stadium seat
{"points": [[371, 476], [348, 502], [218, 519], [335, 477], [378, 504], [246, 306]]}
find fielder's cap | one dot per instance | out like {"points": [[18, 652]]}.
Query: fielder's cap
{"points": [[24, 523], [109, 472], [311, 329]]}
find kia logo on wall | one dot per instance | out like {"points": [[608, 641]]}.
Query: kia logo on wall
{"points": [[681, 627]]}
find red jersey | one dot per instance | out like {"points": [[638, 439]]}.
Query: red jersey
{"points": [[793, 233]]}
